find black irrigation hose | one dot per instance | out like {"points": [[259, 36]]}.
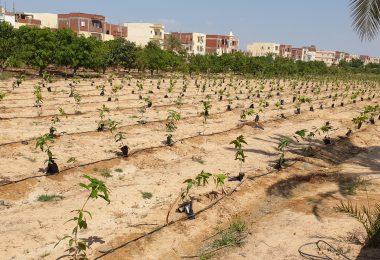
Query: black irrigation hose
{"points": [[77, 114], [157, 121], [121, 127], [94, 102], [317, 244], [132, 153], [142, 150], [185, 217], [171, 222], [306, 255]]}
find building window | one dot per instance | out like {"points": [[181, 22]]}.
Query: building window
{"points": [[96, 24], [82, 23]]}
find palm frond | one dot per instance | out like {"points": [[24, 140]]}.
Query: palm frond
{"points": [[370, 219], [366, 18]]}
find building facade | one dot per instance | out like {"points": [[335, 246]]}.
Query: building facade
{"points": [[262, 49], [220, 44], [143, 33], [193, 43], [47, 20], [91, 25], [7, 17], [374, 60], [309, 53], [285, 51], [296, 53], [25, 19], [327, 57], [342, 56]]}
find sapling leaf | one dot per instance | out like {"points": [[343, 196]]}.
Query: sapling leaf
{"points": [[202, 178], [219, 179], [189, 183], [283, 144]]}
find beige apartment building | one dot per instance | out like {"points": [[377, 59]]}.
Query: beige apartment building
{"points": [[47, 20], [143, 33], [327, 57], [262, 49]]}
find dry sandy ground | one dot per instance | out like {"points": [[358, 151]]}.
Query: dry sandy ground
{"points": [[279, 218]]}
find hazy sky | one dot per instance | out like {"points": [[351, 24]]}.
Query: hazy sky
{"points": [[325, 23]]}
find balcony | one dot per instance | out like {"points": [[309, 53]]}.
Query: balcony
{"points": [[96, 26], [29, 21]]}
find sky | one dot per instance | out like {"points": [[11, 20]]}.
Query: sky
{"points": [[324, 23]]}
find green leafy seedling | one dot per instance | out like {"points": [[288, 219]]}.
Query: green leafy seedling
{"points": [[78, 246]]}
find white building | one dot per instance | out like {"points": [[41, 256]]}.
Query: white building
{"points": [[199, 44], [262, 49], [143, 33], [7, 17], [309, 55], [193, 43]]}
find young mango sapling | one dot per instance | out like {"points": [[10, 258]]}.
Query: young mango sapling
{"points": [[205, 113], [372, 111], [246, 112], [142, 110], [78, 246], [42, 143], [359, 120], [2, 95], [18, 82], [46, 80], [38, 99], [326, 128], [102, 114], [102, 88], [172, 119], [239, 154], [282, 145], [304, 134], [52, 129], [280, 106], [119, 137]]}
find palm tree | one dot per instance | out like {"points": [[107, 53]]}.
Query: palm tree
{"points": [[366, 18]]}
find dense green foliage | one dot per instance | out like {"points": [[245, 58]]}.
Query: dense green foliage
{"points": [[41, 48]]}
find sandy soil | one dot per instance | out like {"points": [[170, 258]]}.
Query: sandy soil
{"points": [[282, 211]]}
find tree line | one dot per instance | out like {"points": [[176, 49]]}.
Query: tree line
{"points": [[41, 48]]}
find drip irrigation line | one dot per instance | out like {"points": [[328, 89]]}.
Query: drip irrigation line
{"points": [[125, 100], [181, 219], [84, 113], [130, 154], [75, 114], [85, 132], [94, 131], [171, 222], [145, 149], [302, 253]]}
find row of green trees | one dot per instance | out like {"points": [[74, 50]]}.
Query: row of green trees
{"points": [[41, 48]]}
